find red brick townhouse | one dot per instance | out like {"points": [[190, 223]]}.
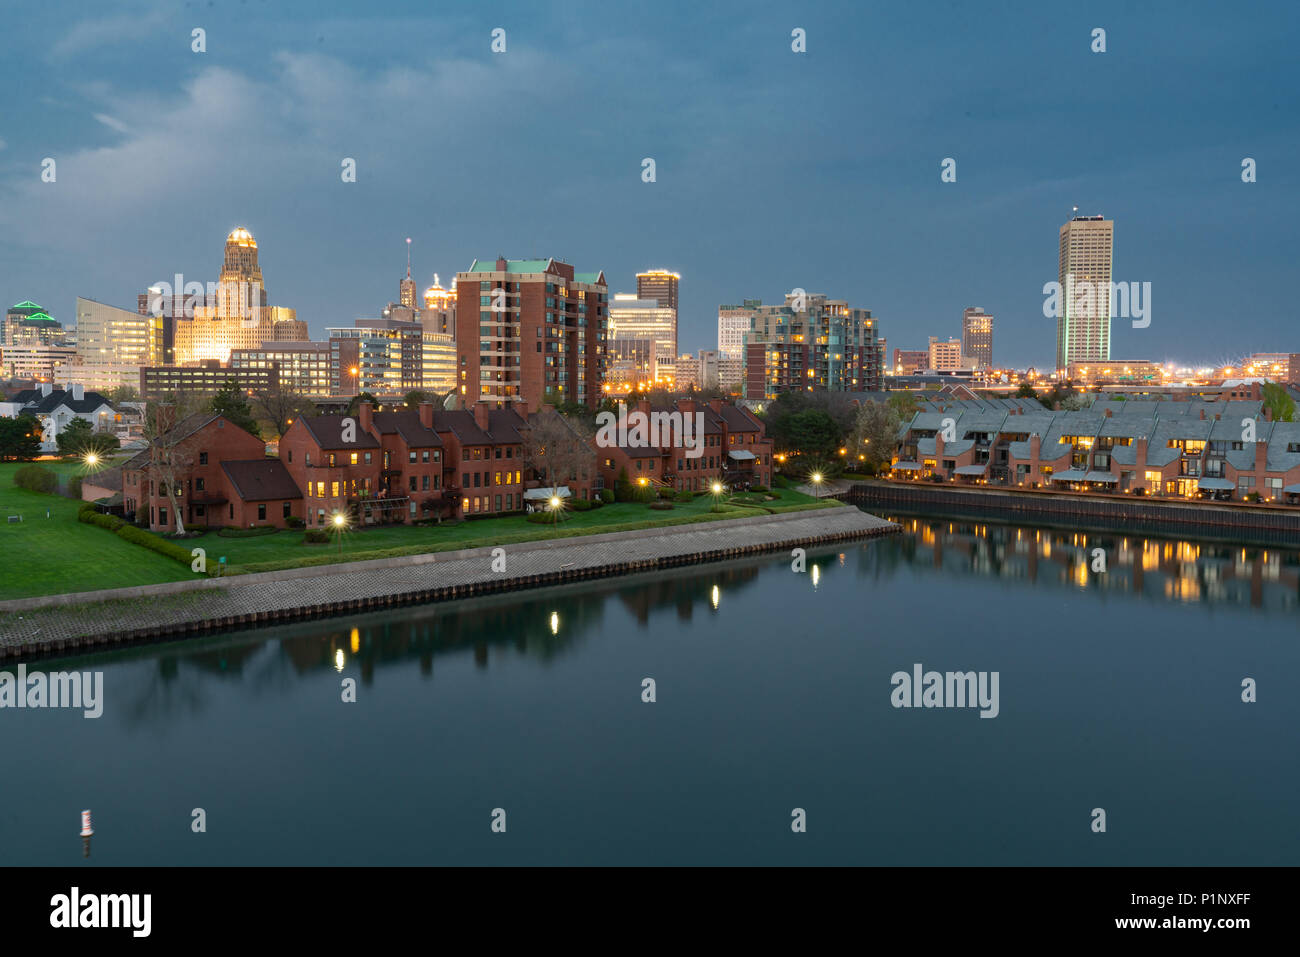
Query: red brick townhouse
{"points": [[217, 475], [380, 467], [735, 448]]}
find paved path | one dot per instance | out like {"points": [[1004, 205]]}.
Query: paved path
{"points": [[61, 622]]}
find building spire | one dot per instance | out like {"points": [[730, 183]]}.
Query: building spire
{"points": [[408, 257]]}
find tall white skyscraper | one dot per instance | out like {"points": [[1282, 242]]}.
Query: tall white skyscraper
{"points": [[733, 323], [1083, 317]]}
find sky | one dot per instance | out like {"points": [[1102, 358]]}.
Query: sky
{"points": [[773, 169]]}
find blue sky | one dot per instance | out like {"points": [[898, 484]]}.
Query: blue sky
{"points": [[774, 169]]}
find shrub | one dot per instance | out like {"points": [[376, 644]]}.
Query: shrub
{"points": [[1250, 497], [607, 496], [36, 478], [546, 517], [138, 536], [74, 487], [254, 532], [579, 505], [316, 536], [666, 493], [293, 521], [684, 497], [661, 505], [759, 488]]}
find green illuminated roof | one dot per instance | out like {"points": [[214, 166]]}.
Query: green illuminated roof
{"points": [[40, 317], [512, 265], [26, 304]]}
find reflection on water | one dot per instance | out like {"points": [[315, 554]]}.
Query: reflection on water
{"points": [[1152, 568]]}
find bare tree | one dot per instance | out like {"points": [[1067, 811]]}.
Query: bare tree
{"points": [[874, 434], [280, 406], [169, 430], [557, 447]]}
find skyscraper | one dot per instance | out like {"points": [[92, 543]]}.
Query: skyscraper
{"points": [[977, 336], [660, 285], [1084, 274], [406, 291], [634, 320]]}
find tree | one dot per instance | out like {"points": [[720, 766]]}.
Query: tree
{"points": [[355, 404], [121, 394], [415, 397], [233, 404], [1279, 402], [874, 435], [80, 438], [811, 432], [278, 408], [20, 439], [1026, 391], [557, 448], [171, 448], [904, 404]]}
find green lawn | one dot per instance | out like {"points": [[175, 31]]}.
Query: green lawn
{"points": [[47, 556], [44, 556]]}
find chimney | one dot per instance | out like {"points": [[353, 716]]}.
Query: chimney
{"points": [[1110, 412], [502, 265], [46, 389], [716, 405], [1035, 450], [78, 392], [365, 416], [1261, 464], [1140, 455], [643, 406], [1202, 415], [426, 414], [938, 444], [481, 416]]}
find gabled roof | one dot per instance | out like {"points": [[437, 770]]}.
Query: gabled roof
{"points": [[407, 424], [327, 430], [260, 480], [90, 402]]}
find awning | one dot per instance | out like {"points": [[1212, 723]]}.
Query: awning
{"points": [[542, 494], [1100, 477], [740, 455], [907, 466], [972, 469], [1292, 489], [1069, 475], [1216, 484]]}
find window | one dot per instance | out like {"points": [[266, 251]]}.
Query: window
{"points": [[261, 512], [352, 459], [424, 456], [425, 483], [412, 483], [411, 456], [464, 483], [291, 455], [334, 489], [497, 477], [198, 485], [288, 510], [162, 516], [498, 503], [308, 459], [367, 458], [477, 477], [203, 458]]}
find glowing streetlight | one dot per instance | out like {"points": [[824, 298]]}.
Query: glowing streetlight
{"points": [[92, 459], [340, 522], [717, 488]]}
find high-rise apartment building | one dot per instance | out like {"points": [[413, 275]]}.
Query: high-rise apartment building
{"points": [[733, 326], [633, 320], [977, 336], [811, 343], [530, 331], [1083, 314], [390, 355], [303, 367]]}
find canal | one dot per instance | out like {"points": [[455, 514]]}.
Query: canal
{"points": [[1119, 687]]}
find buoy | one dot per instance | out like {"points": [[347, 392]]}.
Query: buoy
{"points": [[86, 829]]}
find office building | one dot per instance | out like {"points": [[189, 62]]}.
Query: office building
{"points": [[733, 326], [977, 336], [1083, 313], [634, 319]]}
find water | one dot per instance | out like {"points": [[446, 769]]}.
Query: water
{"points": [[1120, 691]]}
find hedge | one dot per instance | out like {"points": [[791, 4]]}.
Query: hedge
{"points": [[545, 518], [293, 521], [255, 532], [579, 505], [684, 497], [607, 496], [136, 536], [661, 505], [316, 536], [36, 478]]}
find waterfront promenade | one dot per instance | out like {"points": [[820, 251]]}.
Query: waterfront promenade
{"points": [[55, 624]]}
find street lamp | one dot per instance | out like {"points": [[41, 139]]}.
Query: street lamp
{"points": [[717, 488], [355, 384], [816, 478], [555, 504], [340, 522]]}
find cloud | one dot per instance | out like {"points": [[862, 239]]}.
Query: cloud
{"points": [[112, 123], [106, 31]]}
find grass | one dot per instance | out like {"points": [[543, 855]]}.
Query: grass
{"points": [[46, 556], [59, 554]]}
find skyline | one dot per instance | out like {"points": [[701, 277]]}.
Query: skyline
{"points": [[774, 169]]}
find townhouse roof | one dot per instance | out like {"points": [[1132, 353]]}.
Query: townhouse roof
{"points": [[89, 402], [260, 480], [407, 424], [327, 430]]}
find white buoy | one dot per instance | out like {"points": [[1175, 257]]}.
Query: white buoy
{"points": [[86, 829]]}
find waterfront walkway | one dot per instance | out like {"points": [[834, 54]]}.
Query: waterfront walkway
{"points": [[61, 623]]}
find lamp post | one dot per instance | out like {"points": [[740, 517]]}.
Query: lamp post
{"points": [[817, 478], [340, 522], [555, 504], [717, 488]]}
